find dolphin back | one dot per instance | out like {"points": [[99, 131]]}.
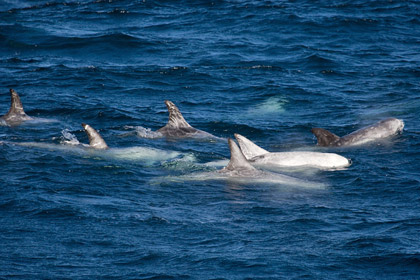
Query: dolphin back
{"points": [[249, 148], [324, 137], [176, 120], [237, 162], [16, 112], [95, 139]]}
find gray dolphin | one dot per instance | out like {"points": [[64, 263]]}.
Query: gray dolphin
{"points": [[16, 114], [238, 164], [177, 127], [379, 130], [95, 139]]}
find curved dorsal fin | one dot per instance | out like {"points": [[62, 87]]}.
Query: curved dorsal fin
{"points": [[16, 107], [249, 148], [324, 137], [175, 117], [237, 159], [95, 139]]}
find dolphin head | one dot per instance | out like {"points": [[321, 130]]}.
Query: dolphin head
{"points": [[399, 124]]}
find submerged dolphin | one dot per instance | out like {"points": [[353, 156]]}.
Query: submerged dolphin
{"points": [[95, 139], [177, 127], [379, 130], [16, 114], [241, 171], [260, 157]]}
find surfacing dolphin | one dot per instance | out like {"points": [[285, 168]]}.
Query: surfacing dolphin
{"points": [[98, 148], [379, 130], [95, 139], [239, 170], [130, 153], [16, 114], [177, 127], [260, 157]]}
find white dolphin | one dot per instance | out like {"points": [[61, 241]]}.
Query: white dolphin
{"points": [[239, 170], [98, 148], [260, 157]]}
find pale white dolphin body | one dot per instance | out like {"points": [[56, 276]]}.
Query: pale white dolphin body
{"points": [[379, 130], [260, 157], [99, 149], [177, 126], [16, 114], [239, 170]]}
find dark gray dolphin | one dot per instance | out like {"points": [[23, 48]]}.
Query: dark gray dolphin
{"points": [[16, 114], [379, 130], [177, 126], [95, 139]]}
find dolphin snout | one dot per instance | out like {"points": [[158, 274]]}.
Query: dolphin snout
{"points": [[13, 92], [402, 124]]}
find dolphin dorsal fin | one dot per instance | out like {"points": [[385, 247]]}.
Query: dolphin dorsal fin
{"points": [[324, 137], [16, 107], [237, 158], [175, 117], [249, 148], [95, 139]]}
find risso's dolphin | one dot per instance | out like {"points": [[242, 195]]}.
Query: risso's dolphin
{"points": [[379, 130], [177, 127], [16, 114], [239, 170], [99, 149], [95, 139], [260, 157]]}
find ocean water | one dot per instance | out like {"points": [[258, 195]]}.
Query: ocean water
{"points": [[269, 70]]}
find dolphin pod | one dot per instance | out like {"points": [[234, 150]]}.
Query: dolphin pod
{"points": [[239, 170], [243, 159]]}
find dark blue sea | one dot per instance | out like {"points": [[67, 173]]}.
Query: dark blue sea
{"points": [[268, 70]]}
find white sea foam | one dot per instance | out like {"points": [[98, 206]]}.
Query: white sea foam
{"points": [[147, 132]]}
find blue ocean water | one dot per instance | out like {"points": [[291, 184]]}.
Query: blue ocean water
{"points": [[269, 70]]}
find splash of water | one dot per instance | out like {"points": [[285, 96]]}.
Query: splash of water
{"points": [[69, 138], [146, 132]]}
